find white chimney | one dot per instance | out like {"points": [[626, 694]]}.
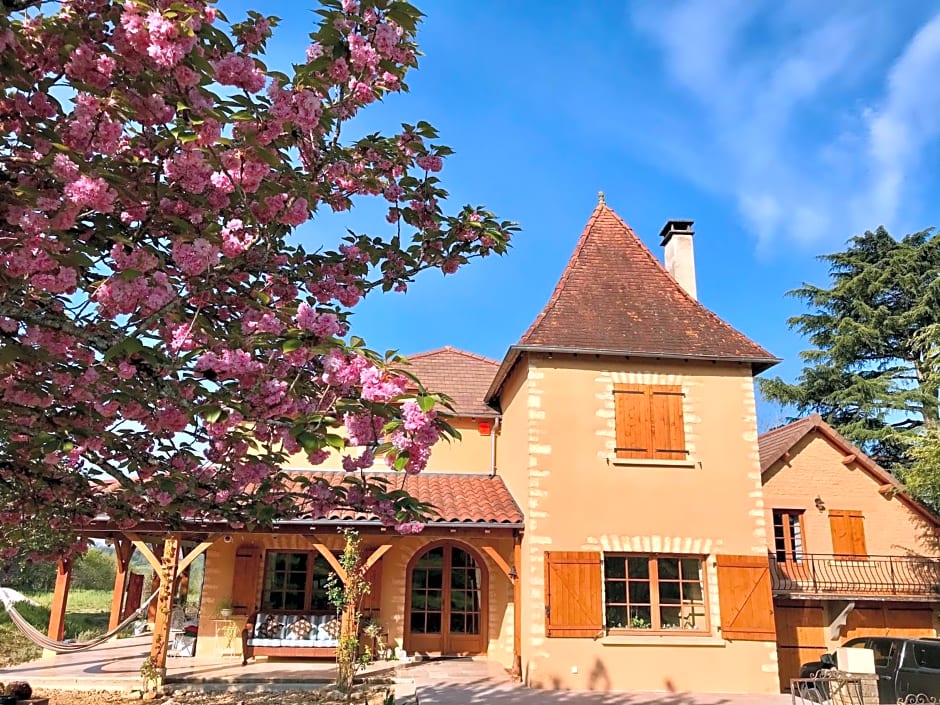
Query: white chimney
{"points": [[680, 253]]}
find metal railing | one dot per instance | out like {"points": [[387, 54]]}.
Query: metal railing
{"points": [[815, 573]]}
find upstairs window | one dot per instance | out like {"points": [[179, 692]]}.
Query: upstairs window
{"points": [[650, 423], [788, 535]]}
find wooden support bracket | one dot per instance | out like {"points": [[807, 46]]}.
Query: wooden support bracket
{"points": [[376, 555], [145, 551], [330, 558], [495, 556]]}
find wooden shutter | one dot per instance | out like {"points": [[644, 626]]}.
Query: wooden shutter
{"points": [[245, 578], [747, 609], [668, 428], [634, 425], [573, 598], [848, 533], [371, 601]]}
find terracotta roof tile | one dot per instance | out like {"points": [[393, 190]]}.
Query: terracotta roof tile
{"points": [[461, 375], [778, 441], [458, 498], [615, 296]]}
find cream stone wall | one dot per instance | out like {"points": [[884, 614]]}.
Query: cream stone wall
{"points": [[220, 561], [815, 469], [577, 496]]}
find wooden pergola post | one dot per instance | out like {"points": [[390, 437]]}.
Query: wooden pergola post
{"points": [[60, 598], [154, 581], [161, 627], [122, 555]]}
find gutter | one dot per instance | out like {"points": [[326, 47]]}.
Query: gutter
{"points": [[496, 426]]}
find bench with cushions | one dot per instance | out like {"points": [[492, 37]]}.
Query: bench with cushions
{"points": [[290, 635]]}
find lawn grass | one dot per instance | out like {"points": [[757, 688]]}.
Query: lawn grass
{"points": [[86, 617]]}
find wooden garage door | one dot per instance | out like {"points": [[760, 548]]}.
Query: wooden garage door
{"points": [[801, 637], [912, 620]]}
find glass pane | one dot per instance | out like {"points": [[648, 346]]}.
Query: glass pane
{"points": [[616, 617], [692, 592], [668, 568], [436, 578], [417, 622], [419, 601], [639, 591], [419, 579], [616, 591], [458, 624], [670, 617], [638, 567], [294, 601], [669, 593], [615, 567], [460, 559], [434, 600], [691, 569], [434, 623], [431, 559], [473, 624], [640, 618], [458, 578]]}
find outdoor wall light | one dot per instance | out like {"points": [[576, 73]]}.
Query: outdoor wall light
{"points": [[512, 573], [820, 505]]}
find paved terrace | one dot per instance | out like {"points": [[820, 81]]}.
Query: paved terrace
{"points": [[116, 666]]}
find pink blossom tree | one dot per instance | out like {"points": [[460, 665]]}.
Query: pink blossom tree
{"points": [[165, 340]]}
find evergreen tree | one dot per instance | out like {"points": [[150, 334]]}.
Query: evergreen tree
{"points": [[873, 371]]}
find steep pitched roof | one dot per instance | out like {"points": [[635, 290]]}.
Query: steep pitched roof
{"points": [[458, 498], [776, 443], [461, 375], [615, 297]]}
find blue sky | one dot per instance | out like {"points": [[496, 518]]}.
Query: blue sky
{"points": [[782, 129]]}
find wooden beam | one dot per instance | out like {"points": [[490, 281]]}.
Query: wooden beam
{"points": [[123, 549], [145, 551], [849, 459], [374, 558], [60, 598], [159, 646], [517, 609], [498, 560], [198, 551], [331, 559]]}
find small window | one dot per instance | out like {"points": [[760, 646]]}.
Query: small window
{"points": [[650, 423], [788, 535], [654, 593]]}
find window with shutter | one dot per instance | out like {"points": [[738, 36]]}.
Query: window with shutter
{"points": [[649, 422], [747, 610], [573, 597], [848, 533], [245, 579]]}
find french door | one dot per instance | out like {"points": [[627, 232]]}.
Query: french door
{"points": [[446, 603]]}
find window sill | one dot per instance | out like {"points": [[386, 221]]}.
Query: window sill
{"points": [[662, 640], [650, 462]]}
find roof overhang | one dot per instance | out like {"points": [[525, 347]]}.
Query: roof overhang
{"points": [[758, 364]]}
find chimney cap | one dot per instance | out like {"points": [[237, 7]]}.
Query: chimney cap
{"points": [[675, 227]]}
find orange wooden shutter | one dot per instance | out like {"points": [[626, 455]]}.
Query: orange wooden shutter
{"points": [[668, 428], [573, 598], [634, 437], [848, 533], [371, 601], [747, 609], [245, 578]]}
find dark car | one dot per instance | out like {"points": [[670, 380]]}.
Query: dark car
{"points": [[903, 666]]}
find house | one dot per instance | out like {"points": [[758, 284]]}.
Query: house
{"points": [[851, 553], [601, 523]]}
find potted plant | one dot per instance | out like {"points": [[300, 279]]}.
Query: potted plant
{"points": [[225, 608]]}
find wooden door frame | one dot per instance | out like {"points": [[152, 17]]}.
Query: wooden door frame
{"points": [[484, 589]]}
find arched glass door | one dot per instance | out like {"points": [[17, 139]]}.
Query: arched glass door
{"points": [[445, 603]]}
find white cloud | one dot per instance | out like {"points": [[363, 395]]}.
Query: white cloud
{"points": [[788, 122]]}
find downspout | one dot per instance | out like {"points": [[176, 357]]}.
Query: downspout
{"points": [[496, 425]]}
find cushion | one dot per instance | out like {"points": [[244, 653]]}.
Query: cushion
{"points": [[300, 630], [269, 627]]}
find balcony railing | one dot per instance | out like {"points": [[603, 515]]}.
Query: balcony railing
{"points": [[818, 574]]}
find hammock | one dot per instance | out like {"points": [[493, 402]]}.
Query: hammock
{"points": [[63, 647]]}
